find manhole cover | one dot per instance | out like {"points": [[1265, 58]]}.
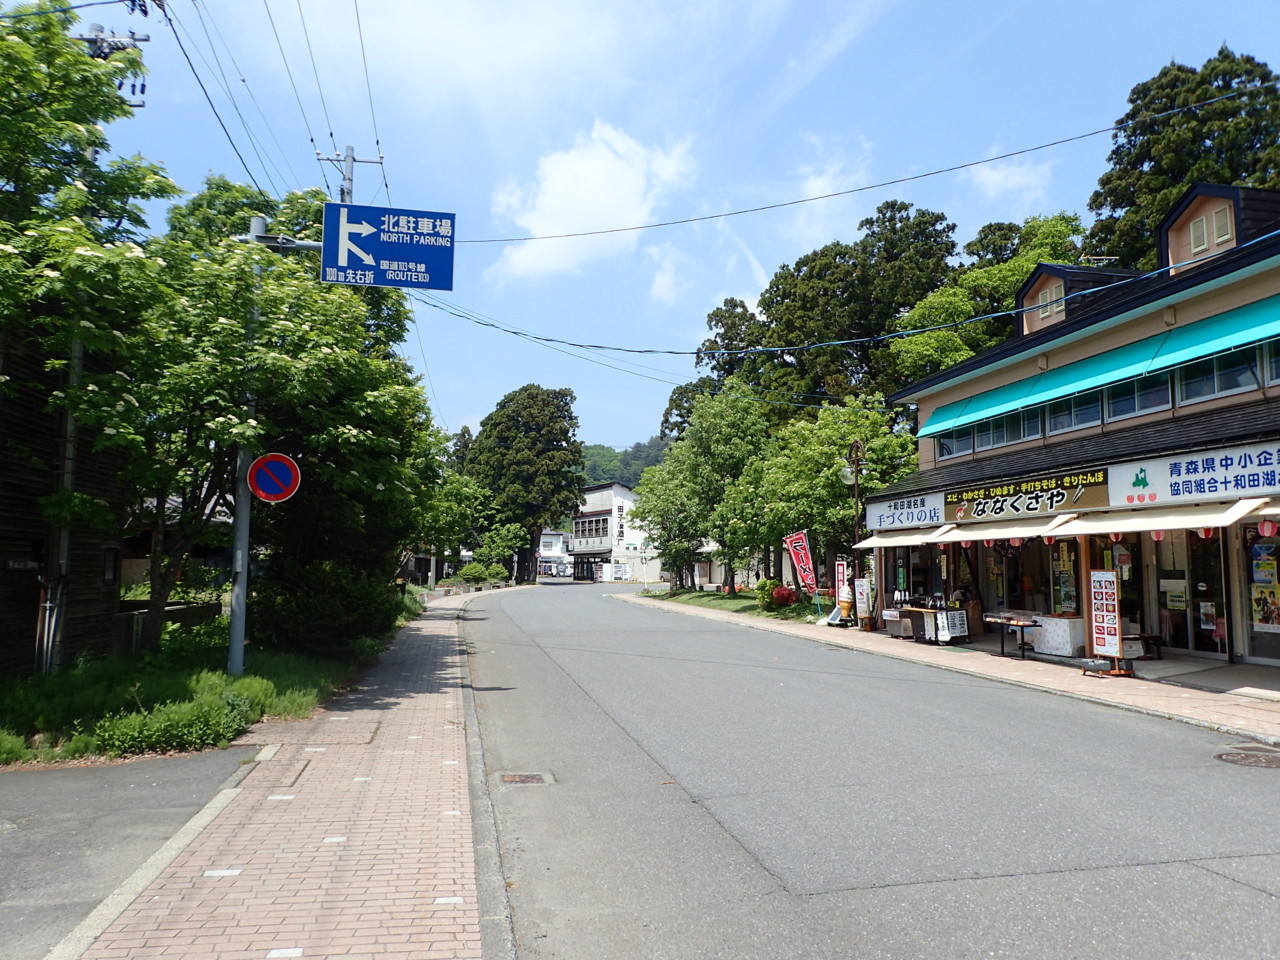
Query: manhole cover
{"points": [[539, 778], [1251, 759]]}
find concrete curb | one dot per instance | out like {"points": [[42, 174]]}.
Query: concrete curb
{"points": [[497, 939]]}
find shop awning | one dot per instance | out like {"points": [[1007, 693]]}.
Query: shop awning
{"points": [[1161, 518], [903, 538], [1218, 334], [1005, 529]]}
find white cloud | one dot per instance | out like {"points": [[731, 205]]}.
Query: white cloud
{"points": [[759, 276], [824, 47], [604, 181], [1020, 185], [830, 171], [666, 284]]}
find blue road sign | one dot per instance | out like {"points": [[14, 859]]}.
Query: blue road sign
{"points": [[382, 247]]}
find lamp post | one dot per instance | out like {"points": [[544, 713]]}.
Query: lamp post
{"points": [[849, 475]]}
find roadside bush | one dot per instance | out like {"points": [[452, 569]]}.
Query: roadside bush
{"points": [[13, 748], [322, 609], [783, 596], [207, 721], [764, 592], [498, 573], [474, 573]]}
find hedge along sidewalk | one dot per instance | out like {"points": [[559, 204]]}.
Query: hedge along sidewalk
{"points": [[1237, 714], [351, 835]]}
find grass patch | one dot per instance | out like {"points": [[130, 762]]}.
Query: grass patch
{"points": [[742, 603], [180, 698]]}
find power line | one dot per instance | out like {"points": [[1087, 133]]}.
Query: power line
{"points": [[209, 100], [208, 15], [885, 183], [373, 116], [324, 175], [324, 107], [226, 89]]}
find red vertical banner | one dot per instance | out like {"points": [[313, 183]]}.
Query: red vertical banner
{"points": [[797, 545]]}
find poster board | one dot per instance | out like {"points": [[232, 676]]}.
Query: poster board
{"points": [[1104, 613], [862, 598]]}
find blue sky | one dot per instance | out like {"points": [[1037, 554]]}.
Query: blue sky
{"points": [[530, 119]]}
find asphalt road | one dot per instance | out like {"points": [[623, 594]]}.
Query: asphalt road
{"points": [[716, 791], [69, 836]]}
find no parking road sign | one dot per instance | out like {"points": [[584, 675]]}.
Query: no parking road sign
{"points": [[274, 477]]}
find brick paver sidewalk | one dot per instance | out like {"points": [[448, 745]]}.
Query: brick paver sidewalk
{"points": [[350, 837]]}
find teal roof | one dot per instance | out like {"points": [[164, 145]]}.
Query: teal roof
{"points": [[1217, 334]]}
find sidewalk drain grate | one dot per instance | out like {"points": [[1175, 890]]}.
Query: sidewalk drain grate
{"points": [[1251, 759], [538, 778]]}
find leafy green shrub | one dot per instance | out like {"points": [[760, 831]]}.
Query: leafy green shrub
{"points": [[764, 593], [474, 573], [322, 608], [13, 748], [207, 721], [497, 572]]}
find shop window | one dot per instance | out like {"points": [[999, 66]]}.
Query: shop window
{"points": [[954, 443], [1144, 395], [1083, 410], [1220, 376], [1273, 362]]}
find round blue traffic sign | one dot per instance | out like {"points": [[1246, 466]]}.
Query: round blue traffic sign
{"points": [[274, 477]]}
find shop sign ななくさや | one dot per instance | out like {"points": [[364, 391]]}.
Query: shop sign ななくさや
{"points": [[1038, 497]]}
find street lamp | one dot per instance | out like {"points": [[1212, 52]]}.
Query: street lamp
{"points": [[849, 475]]}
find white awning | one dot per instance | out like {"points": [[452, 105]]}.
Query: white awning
{"points": [[1005, 529], [903, 538], [1161, 518]]}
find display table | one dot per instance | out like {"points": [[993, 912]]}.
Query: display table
{"points": [[1015, 620], [1060, 636], [938, 626]]}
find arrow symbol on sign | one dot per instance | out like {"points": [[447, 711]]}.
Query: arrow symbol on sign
{"points": [[345, 243]]}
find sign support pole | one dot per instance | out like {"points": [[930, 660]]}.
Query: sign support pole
{"points": [[240, 520]]}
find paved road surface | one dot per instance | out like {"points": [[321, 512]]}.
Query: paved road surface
{"points": [[722, 792], [70, 836]]}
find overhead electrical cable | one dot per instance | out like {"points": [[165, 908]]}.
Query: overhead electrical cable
{"points": [[315, 70], [373, 116], [324, 175], [203, 89], [884, 183], [221, 77], [208, 18]]}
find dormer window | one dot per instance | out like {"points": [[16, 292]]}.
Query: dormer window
{"points": [[1051, 300], [1199, 235], [1221, 225]]}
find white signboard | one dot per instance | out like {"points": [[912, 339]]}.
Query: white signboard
{"points": [[905, 512], [1252, 470], [1104, 617]]}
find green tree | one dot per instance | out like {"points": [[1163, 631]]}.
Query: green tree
{"points": [[500, 544], [988, 288], [846, 295], [633, 460], [799, 486], [668, 509], [55, 99], [599, 463], [454, 514], [1156, 154], [527, 455], [460, 449], [680, 403]]}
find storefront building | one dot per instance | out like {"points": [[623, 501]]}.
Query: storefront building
{"points": [[605, 544], [1131, 425]]}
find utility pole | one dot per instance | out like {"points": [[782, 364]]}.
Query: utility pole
{"points": [[348, 161]]}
